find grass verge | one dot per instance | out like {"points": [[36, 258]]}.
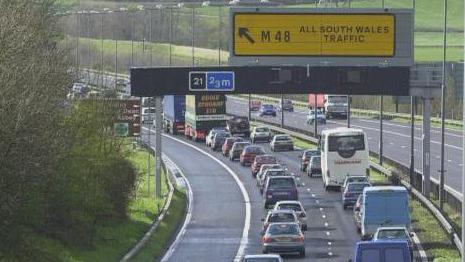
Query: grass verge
{"points": [[158, 243], [114, 238]]}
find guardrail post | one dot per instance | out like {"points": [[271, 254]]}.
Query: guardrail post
{"points": [[381, 105]]}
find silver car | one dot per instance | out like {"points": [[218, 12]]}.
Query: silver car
{"points": [[297, 207], [284, 238], [263, 168], [260, 133], [282, 142], [262, 258]]}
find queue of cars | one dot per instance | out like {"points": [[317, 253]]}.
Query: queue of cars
{"points": [[381, 213]]}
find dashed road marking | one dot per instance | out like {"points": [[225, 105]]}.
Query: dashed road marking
{"points": [[328, 233]]}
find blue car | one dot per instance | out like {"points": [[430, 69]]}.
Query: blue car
{"points": [[382, 251], [267, 110], [351, 193]]}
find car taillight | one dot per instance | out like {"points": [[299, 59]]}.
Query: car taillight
{"points": [[266, 239], [301, 238]]}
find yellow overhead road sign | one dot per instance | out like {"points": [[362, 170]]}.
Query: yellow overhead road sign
{"points": [[265, 34]]}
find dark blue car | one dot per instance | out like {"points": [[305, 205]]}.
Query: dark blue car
{"points": [[382, 251], [351, 193], [267, 110]]}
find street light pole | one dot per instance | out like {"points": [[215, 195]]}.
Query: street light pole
{"points": [[150, 38], [412, 140], [381, 104], [101, 47], [193, 36], [219, 36], [443, 109], [132, 39]]}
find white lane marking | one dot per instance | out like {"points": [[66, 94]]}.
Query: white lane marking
{"points": [[326, 224], [323, 216], [313, 195], [245, 232], [448, 160], [330, 253], [460, 164], [181, 233], [327, 233], [318, 202], [329, 243], [403, 146], [420, 249], [399, 134], [391, 143], [308, 189], [321, 209]]}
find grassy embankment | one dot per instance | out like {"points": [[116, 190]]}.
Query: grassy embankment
{"points": [[114, 238]]}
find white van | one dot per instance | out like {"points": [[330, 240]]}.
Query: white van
{"points": [[344, 152]]}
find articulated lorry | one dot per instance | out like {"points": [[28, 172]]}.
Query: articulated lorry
{"points": [[332, 105], [204, 112], [174, 108]]}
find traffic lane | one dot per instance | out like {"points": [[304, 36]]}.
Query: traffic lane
{"points": [[335, 228], [316, 237], [397, 147], [454, 134], [217, 222]]}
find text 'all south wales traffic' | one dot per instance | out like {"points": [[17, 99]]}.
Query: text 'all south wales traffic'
{"points": [[314, 34]]}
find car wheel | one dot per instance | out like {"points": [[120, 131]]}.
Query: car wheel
{"points": [[344, 206], [302, 253], [265, 251], [304, 228], [310, 174]]}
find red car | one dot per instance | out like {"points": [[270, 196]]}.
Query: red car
{"points": [[259, 161], [255, 105], [228, 143], [249, 153]]}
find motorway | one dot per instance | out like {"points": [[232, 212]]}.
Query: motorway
{"points": [[219, 211], [396, 137]]}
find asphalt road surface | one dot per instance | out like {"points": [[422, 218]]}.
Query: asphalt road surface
{"points": [[218, 215], [396, 137]]}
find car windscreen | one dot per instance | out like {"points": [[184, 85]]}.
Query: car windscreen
{"points": [[262, 129], [254, 150], [267, 106], [262, 259], [295, 207], [357, 187], [283, 229], [276, 173], [281, 217], [337, 99], [392, 234], [357, 179], [282, 138], [346, 143], [223, 134], [266, 159], [282, 182], [311, 153], [240, 146]]}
